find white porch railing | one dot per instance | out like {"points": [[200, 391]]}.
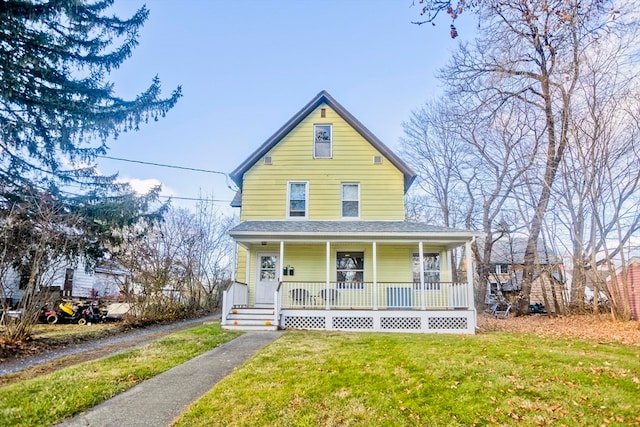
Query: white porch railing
{"points": [[237, 294], [367, 296]]}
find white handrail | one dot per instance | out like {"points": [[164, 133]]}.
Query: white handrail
{"points": [[236, 294], [369, 296]]}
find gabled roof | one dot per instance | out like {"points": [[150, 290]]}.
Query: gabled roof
{"points": [[323, 98], [511, 251]]}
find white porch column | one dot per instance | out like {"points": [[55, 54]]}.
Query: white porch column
{"points": [[423, 303], [281, 258], [247, 266], [328, 274], [276, 297], [470, 295], [375, 275]]}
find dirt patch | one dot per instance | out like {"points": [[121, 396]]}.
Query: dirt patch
{"points": [[588, 327]]}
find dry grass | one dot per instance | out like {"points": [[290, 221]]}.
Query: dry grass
{"points": [[589, 327]]}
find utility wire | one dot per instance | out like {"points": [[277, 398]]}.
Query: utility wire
{"points": [[163, 165], [197, 199], [173, 167]]}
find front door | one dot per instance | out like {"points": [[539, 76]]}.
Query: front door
{"points": [[267, 281]]}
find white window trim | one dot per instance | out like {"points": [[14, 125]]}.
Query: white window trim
{"points": [[330, 141], [359, 285], [439, 271], [306, 199], [342, 200], [504, 268]]}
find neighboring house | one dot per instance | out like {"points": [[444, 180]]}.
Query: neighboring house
{"points": [[632, 291], [505, 274], [592, 281], [104, 282], [322, 241], [69, 281]]}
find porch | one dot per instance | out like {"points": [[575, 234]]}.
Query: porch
{"points": [[435, 307], [351, 275]]}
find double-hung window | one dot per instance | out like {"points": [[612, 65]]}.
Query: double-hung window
{"points": [[501, 268], [322, 141], [431, 263], [297, 199], [350, 200], [350, 270]]}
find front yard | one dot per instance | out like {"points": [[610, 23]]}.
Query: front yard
{"points": [[493, 378], [525, 371]]}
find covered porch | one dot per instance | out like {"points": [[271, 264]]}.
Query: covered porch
{"points": [[369, 280]]}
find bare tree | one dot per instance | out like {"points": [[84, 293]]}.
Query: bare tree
{"points": [[530, 53], [38, 236], [599, 189], [178, 265], [215, 263], [468, 167], [432, 146]]}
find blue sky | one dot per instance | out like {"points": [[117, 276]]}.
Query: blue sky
{"points": [[246, 67]]}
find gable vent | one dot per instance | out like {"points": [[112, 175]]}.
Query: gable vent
{"points": [[377, 160], [268, 160]]}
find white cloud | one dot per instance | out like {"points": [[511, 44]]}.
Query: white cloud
{"points": [[142, 186]]}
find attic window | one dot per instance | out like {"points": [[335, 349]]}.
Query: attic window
{"points": [[323, 112], [377, 160], [268, 160], [322, 138]]}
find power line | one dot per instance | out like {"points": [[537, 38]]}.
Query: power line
{"points": [[163, 165], [173, 167], [196, 199]]}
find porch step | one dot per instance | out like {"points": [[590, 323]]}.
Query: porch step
{"points": [[251, 319], [252, 311]]}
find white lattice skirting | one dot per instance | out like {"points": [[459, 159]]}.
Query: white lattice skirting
{"points": [[437, 321]]}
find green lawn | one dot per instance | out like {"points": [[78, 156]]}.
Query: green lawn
{"points": [[50, 398], [349, 379]]}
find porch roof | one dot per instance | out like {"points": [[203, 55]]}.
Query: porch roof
{"points": [[304, 230]]}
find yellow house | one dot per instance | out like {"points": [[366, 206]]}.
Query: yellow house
{"points": [[323, 242]]}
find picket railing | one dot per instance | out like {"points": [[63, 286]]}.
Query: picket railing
{"points": [[370, 296]]}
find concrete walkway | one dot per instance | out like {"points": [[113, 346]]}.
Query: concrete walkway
{"points": [[159, 400]]}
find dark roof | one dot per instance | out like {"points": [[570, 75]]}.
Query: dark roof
{"points": [[237, 200], [511, 251], [323, 98], [301, 230]]}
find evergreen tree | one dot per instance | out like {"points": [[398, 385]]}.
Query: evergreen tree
{"points": [[56, 106], [57, 112]]}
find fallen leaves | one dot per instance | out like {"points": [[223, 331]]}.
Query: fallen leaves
{"points": [[588, 327]]}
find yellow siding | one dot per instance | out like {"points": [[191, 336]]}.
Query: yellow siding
{"points": [[264, 194], [241, 263], [394, 263], [309, 262]]}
